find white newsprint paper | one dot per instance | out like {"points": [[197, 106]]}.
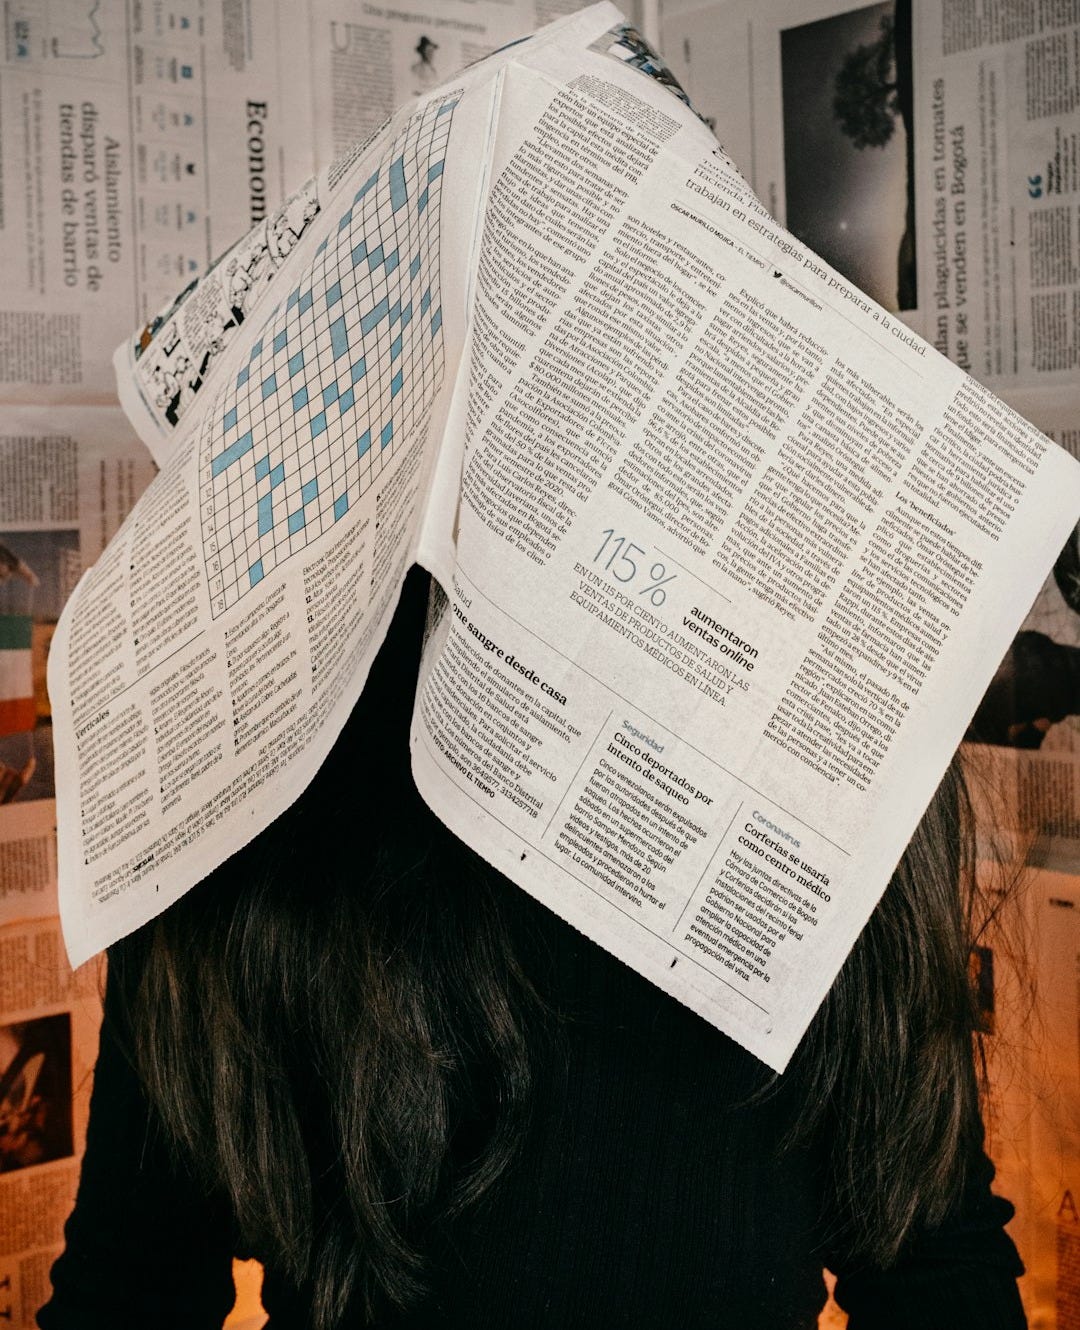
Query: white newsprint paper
{"points": [[727, 553]]}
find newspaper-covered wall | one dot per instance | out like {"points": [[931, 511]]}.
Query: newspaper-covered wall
{"points": [[173, 139], [1034, 1044], [68, 476], [368, 59]]}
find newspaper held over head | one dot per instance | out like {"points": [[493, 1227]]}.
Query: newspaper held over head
{"points": [[727, 553]]}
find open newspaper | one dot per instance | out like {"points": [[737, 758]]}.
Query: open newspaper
{"points": [[725, 555]]}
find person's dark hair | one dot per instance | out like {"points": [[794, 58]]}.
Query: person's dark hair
{"points": [[325, 1019]]}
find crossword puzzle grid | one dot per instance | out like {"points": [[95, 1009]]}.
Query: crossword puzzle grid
{"points": [[341, 373]]}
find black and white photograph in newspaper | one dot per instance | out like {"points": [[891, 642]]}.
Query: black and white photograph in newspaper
{"points": [[849, 146]]}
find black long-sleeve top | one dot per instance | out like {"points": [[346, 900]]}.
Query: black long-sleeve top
{"points": [[650, 1191]]}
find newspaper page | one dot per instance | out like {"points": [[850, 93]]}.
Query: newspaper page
{"points": [[666, 692], [704, 655], [49, 1020], [68, 477], [138, 139], [247, 1312], [27, 861], [927, 150]]}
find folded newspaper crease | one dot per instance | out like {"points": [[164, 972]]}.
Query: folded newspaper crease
{"points": [[729, 554]]}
